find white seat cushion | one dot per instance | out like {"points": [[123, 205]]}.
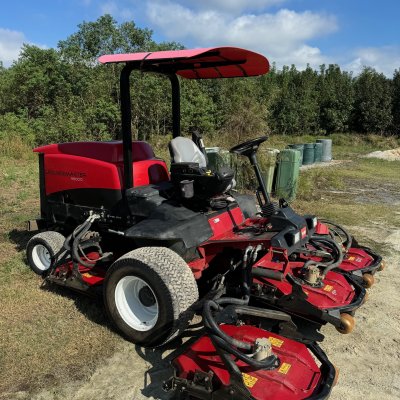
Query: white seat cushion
{"points": [[185, 150]]}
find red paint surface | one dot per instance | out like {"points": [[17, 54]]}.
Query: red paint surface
{"points": [[299, 382], [111, 151], [225, 222], [98, 165], [251, 63], [65, 172], [356, 259], [336, 291], [321, 229], [91, 276]]}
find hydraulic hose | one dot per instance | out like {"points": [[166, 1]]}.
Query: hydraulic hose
{"points": [[268, 363], [75, 248], [349, 239], [211, 324], [332, 245], [229, 344], [72, 242]]}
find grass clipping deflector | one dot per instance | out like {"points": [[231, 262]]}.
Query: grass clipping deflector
{"points": [[156, 243]]}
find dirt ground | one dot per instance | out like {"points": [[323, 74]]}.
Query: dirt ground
{"points": [[390, 155]]}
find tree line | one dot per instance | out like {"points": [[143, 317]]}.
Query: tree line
{"points": [[63, 94]]}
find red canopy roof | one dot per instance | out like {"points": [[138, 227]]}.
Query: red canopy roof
{"points": [[209, 63]]}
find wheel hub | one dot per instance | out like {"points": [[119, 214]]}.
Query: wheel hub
{"points": [[41, 257], [146, 296], [136, 303]]}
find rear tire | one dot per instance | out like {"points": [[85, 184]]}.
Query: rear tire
{"points": [[148, 295], [42, 249]]}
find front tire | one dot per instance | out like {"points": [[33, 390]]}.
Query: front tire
{"points": [[42, 249], [148, 295]]}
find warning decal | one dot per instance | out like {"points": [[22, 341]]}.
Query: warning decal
{"points": [[275, 341], [249, 380], [284, 368]]}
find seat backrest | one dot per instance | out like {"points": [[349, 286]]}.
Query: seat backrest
{"points": [[185, 150]]}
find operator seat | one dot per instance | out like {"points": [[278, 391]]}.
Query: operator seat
{"points": [[184, 150], [189, 164]]}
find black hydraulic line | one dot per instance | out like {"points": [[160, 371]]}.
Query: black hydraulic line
{"points": [[231, 300], [268, 363], [347, 235], [75, 247], [262, 313], [211, 324], [268, 274], [72, 236], [334, 246]]}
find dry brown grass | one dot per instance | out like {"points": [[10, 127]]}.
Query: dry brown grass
{"points": [[48, 336]]}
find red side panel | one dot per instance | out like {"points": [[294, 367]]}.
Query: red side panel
{"points": [[321, 229], [104, 151], [297, 376], [225, 222], [149, 171], [65, 172], [98, 165]]}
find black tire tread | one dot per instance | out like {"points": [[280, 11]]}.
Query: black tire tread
{"points": [[53, 240], [176, 275]]}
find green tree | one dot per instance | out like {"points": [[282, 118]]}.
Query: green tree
{"points": [[373, 102], [336, 99], [396, 101], [104, 36]]}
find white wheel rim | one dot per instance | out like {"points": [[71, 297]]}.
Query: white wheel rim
{"points": [[41, 257], [131, 309]]}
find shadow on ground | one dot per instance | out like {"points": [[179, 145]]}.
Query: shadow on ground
{"points": [[20, 238], [160, 359]]}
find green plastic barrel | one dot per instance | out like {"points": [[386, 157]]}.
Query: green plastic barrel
{"points": [[213, 158], [287, 176], [318, 152], [267, 162], [308, 153], [299, 147], [326, 149]]}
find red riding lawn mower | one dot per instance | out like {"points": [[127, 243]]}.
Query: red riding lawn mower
{"points": [[159, 245]]}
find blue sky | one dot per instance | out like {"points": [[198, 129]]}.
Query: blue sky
{"points": [[350, 33]]}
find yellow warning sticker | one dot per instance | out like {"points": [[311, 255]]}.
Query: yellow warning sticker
{"points": [[249, 380], [275, 341], [328, 288], [351, 258], [87, 275], [284, 368]]}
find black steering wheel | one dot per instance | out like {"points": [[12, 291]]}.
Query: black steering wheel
{"points": [[246, 148]]}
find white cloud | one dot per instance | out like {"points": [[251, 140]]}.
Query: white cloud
{"points": [[10, 45], [281, 36], [384, 59], [112, 8], [231, 5]]}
